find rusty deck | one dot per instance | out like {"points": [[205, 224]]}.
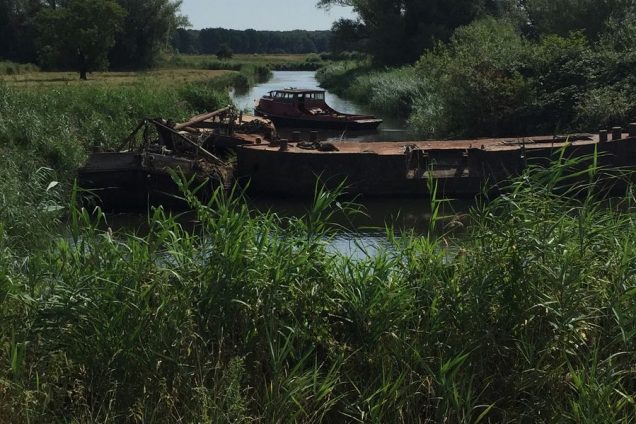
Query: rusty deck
{"points": [[405, 168]]}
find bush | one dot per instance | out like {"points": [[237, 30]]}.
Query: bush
{"points": [[313, 58], [476, 84], [12, 68], [225, 52]]}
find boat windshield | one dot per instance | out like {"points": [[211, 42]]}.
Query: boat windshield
{"points": [[288, 96]]}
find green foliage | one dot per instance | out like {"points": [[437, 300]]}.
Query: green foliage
{"points": [[490, 80], [224, 52], [210, 40], [398, 31], [564, 16], [148, 26], [78, 34], [11, 68], [392, 92], [476, 83], [528, 316], [58, 28]]}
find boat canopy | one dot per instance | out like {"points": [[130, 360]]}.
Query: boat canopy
{"points": [[297, 93]]}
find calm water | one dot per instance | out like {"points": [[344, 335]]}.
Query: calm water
{"points": [[392, 129]]}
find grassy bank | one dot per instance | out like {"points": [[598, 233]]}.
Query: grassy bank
{"points": [[47, 130], [160, 77], [248, 317], [490, 80]]}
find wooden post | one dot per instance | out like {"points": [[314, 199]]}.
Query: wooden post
{"points": [[617, 133], [295, 136], [632, 129], [602, 136]]}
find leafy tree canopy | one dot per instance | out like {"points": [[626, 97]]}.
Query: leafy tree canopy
{"points": [[78, 34], [147, 29], [397, 31]]}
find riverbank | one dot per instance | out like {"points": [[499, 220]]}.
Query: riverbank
{"points": [[249, 316], [491, 80]]}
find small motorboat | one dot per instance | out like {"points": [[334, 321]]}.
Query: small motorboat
{"points": [[306, 108]]}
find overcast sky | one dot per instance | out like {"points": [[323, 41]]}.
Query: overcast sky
{"points": [[261, 14]]}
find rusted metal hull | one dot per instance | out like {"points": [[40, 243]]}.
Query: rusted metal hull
{"points": [[458, 169], [132, 180]]}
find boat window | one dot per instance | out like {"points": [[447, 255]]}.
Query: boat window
{"points": [[319, 96]]}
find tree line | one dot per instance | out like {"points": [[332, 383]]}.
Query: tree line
{"points": [[396, 32], [212, 40], [87, 35], [491, 67]]}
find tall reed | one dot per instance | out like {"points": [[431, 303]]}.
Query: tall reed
{"points": [[246, 316]]}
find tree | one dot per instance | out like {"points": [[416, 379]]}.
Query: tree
{"points": [[78, 34], [147, 29], [398, 31], [17, 32], [564, 16], [225, 52]]}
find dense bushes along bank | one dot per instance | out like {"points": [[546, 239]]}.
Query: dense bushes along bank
{"points": [[248, 317], [490, 80]]}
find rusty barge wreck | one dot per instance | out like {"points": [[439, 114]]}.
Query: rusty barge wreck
{"points": [[223, 148], [142, 170], [459, 168]]}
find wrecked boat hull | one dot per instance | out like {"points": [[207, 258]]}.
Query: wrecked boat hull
{"points": [[457, 169], [124, 181]]}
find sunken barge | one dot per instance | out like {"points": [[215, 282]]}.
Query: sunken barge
{"points": [[224, 148], [144, 169], [458, 168]]}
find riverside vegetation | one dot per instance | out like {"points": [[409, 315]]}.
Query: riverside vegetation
{"points": [[490, 79], [248, 317]]}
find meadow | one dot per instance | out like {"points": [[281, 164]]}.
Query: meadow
{"points": [[163, 76], [527, 315]]}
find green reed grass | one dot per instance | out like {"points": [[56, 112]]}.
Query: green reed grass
{"points": [[392, 92], [527, 317]]}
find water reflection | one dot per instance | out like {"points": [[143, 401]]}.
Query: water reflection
{"points": [[360, 235], [392, 129]]}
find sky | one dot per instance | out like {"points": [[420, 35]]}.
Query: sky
{"points": [[272, 15]]}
